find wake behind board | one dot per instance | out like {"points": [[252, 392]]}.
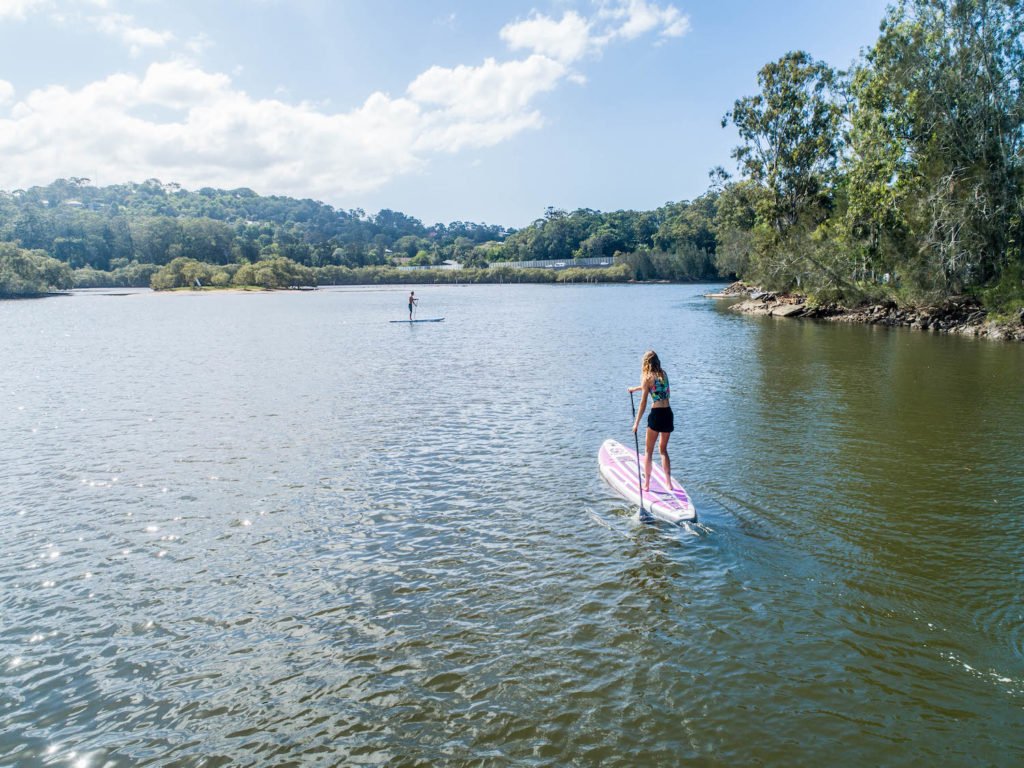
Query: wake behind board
{"points": [[619, 468], [425, 320]]}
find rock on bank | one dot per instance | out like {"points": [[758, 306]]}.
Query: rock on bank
{"points": [[961, 315]]}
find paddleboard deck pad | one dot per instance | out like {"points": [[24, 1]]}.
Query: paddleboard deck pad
{"points": [[619, 468], [425, 320]]}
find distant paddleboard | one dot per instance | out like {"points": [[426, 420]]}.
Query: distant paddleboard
{"points": [[619, 468], [427, 320]]}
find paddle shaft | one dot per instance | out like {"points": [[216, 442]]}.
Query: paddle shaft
{"points": [[636, 440]]}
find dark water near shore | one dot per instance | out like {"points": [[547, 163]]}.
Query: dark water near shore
{"points": [[278, 530]]}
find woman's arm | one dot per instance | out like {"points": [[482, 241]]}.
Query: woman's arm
{"points": [[643, 385], [640, 410]]}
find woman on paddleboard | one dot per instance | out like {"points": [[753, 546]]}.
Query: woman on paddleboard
{"points": [[659, 423]]}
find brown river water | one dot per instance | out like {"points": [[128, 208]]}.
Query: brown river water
{"points": [[276, 529]]}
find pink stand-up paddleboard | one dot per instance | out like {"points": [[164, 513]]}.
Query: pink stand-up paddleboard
{"points": [[619, 468]]}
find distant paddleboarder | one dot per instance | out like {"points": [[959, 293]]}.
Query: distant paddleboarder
{"points": [[412, 301], [659, 422]]}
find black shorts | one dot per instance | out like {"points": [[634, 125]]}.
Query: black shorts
{"points": [[660, 420]]}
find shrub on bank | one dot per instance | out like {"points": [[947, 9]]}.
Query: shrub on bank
{"points": [[182, 272], [1005, 299], [133, 275], [30, 273], [278, 272]]}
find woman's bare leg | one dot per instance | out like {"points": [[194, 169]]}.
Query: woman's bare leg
{"points": [[652, 438], [665, 463]]}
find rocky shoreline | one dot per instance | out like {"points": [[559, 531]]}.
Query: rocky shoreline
{"points": [[959, 315]]}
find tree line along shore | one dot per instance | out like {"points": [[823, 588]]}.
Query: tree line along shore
{"points": [[897, 183], [161, 236]]}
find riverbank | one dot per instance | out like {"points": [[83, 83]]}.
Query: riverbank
{"points": [[961, 315]]}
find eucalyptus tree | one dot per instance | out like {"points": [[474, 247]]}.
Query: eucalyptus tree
{"points": [[792, 134], [792, 137], [937, 143]]}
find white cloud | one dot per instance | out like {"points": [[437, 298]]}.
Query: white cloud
{"points": [[197, 44], [218, 135], [124, 27], [94, 14], [638, 17], [178, 122], [492, 89], [567, 40], [179, 85], [574, 37], [448, 136], [19, 9]]}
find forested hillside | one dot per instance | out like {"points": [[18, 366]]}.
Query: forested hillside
{"points": [[128, 233], [152, 223]]}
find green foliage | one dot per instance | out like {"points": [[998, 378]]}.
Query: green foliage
{"points": [[279, 272], [773, 226], [283, 273], [688, 264], [133, 275], [30, 272], [937, 150], [476, 260], [155, 223], [182, 272], [154, 233], [735, 219], [900, 182], [1005, 298], [792, 137], [676, 233]]}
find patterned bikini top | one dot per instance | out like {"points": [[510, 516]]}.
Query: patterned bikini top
{"points": [[660, 389]]}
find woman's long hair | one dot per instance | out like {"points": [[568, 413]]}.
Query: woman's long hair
{"points": [[652, 365]]}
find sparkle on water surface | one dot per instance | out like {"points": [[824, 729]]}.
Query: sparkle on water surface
{"points": [[277, 529]]}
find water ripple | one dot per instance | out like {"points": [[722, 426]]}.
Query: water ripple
{"points": [[320, 539]]}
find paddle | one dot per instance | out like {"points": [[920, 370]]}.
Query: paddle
{"points": [[636, 440]]}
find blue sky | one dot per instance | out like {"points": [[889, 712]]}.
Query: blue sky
{"points": [[472, 111]]}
